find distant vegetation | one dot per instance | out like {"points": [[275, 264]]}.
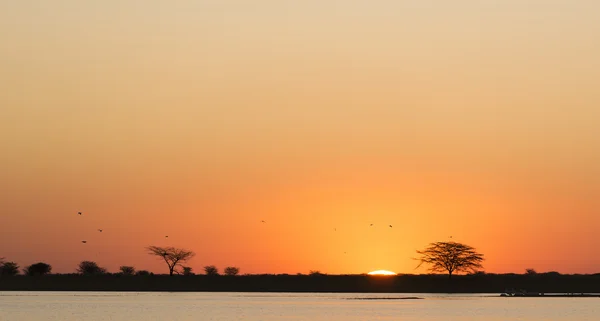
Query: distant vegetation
{"points": [[425, 283], [127, 270], [187, 270], [232, 271], [530, 271], [90, 268], [450, 257], [8, 268], [211, 270], [38, 269]]}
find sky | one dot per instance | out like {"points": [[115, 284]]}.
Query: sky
{"points": [[475, 119]]}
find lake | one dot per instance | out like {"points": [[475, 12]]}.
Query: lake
{"points": [[117, 306]]}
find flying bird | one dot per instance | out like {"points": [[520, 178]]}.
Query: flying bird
{"points": [[166, 236], [79, 213], [263, 222], [371, 224], [84, 242], [100, 230], [390, 225]]}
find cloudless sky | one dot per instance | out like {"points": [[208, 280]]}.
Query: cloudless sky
{"points": [[198, 119]]}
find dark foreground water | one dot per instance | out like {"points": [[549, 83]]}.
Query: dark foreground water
{"points": [[96, 306]]}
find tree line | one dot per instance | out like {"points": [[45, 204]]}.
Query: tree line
{"points": [[450, 257], [173, 257]]}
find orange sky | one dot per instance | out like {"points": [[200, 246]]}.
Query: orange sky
{"points": [[198, 120]]}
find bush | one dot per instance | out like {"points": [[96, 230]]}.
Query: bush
{"points": [[187, 270], [232, 270], [127, 270], [90, 268], [9, 268], [211, 270], [530, 272], [39, 268]]}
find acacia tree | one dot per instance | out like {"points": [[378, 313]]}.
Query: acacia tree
{"points": [[451, 257], [171, 255]]}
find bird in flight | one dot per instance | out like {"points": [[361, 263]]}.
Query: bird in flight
{"points": [[390, 225], [371, 224], [83, 242], [166, 236], [79, 213], [100, 230], [263, 222]]}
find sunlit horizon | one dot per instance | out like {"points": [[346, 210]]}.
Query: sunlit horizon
{"points": [[382, 272]]}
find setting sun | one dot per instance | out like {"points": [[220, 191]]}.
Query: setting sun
{"points": [[381, 272]]}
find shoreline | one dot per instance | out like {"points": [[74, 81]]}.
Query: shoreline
{"points": [[430, 284]]}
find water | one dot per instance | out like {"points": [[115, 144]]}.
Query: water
{"points": [[96, 306]]}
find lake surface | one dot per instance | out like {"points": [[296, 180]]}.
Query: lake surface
{"points": [[101, 306]]}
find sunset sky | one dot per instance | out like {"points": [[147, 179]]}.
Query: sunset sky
{"points": [[475, 119]]}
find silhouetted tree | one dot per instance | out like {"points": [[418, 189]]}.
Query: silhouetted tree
{"points": [[90, 268], [530, 272], [127, 270], [142, 273], [171, 255], [315, 273], [211, 270], [232, 270], [552, 273], [37, 269], [187, 270], [9, 268], [451, 257]]}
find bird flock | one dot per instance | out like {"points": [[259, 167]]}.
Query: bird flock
{"points": [[100, 230], [335, 228], [262, 221]]}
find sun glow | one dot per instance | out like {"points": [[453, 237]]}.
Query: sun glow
{"points": [[382, 272]]}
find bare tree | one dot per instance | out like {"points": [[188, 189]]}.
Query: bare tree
{"points": [[211, 270], [451, 257], [232, 270], [171, 255], [127, 270]]}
